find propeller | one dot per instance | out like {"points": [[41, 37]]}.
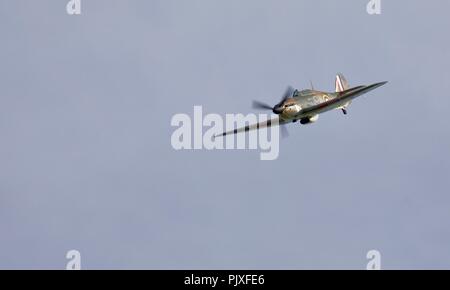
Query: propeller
{"points": [[284, 131], [261, 106], [277, 109], [288, 93]]}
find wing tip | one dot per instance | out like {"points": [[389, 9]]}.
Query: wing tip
{"points": [[381, 83], [219, 135]]}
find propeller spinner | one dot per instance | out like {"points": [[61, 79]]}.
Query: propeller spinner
{"points": [[278, 108]]}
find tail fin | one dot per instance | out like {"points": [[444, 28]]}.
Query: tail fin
{"points": [[341, 83]]}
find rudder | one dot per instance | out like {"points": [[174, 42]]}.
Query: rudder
{"points": [[341, 83]]}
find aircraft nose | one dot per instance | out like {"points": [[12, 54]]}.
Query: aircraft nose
{"points": [[277, 110]]}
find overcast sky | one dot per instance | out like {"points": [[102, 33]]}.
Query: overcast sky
{"points": [[86, 161]]}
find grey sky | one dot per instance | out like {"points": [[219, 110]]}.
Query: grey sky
{"points": [[86, 160]]}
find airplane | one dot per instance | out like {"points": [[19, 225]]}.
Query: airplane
{"points": [[306, 105]]}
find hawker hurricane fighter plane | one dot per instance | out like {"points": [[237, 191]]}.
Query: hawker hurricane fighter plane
{"points": [[306, 105]]}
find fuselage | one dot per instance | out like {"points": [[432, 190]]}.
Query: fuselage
{"points": [[301, 100]]}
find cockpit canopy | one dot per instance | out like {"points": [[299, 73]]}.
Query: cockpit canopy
{"points": [[306, 92]]}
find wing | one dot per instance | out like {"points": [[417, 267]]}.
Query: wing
{"points": [[257, 126], [340, 100]]}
